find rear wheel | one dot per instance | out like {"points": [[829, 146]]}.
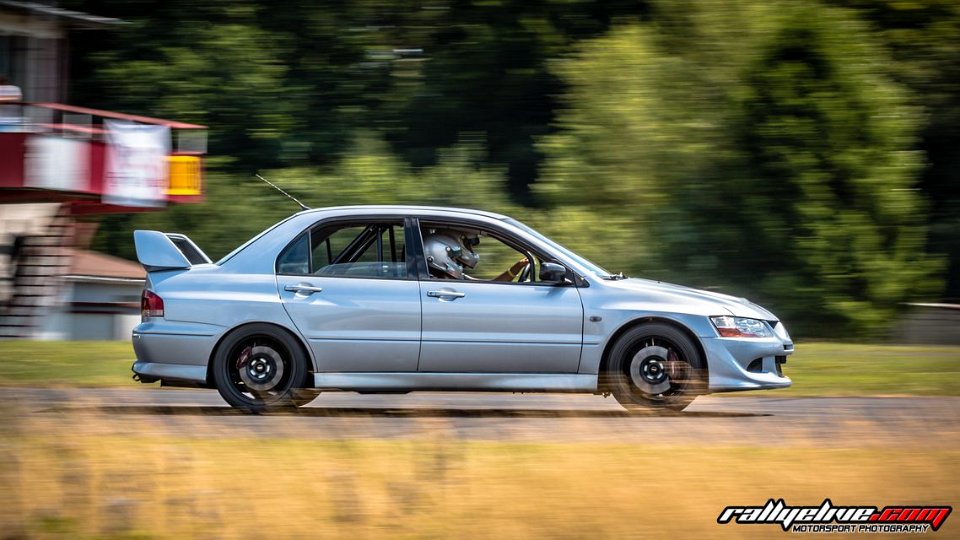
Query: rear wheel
{"points": [[260, 367], [655, 367]]}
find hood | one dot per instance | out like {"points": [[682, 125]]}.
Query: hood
{"points": [[687, 299]]}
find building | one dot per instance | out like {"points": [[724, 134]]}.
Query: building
{"points": [[61, 164], [99, 299], [34, 41]]}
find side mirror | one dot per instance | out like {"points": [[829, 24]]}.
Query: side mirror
{"points": [[552, 272]]}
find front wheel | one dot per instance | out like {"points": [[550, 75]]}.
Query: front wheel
{"points": [[260, 367], [654, 367]]}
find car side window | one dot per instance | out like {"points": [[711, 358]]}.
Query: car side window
{"points": [[329, 247], [496, 258], [355, 249], [295, 259], [461, 253]]}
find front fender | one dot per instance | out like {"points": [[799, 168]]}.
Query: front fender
{"points": [[602, 325]]}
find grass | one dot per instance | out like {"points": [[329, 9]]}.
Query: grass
{"points": [[143, 487], [817, 369], [81, 472], [72, 363], [837, 369]]}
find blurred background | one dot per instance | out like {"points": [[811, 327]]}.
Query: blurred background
{"points": [[802, 153], [805, 154]]}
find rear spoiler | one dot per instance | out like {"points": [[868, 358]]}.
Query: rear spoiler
{"points": [[167, 251]]}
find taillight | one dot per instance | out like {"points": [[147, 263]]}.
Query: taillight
{"points": [[151, 305]]}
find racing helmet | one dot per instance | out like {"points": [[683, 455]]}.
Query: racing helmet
{"points": [[448, 252]]}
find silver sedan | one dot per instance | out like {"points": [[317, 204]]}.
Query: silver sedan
{"points": [[395, 299]]}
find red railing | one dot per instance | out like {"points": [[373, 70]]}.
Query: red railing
{"points": [[115, 115], [86, 128], [80, 122]]}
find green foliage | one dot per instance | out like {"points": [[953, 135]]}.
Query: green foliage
{"points": [[786, 171], [833, 135], [371, 174], [607, 239], [923, 37], [285, 83], [237, 208], [228, 76], [795, 152]]}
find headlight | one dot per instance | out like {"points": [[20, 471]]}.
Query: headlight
{"points": [[729, 326]]}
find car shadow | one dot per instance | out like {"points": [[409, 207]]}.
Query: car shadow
{"points": [[396, 412]]}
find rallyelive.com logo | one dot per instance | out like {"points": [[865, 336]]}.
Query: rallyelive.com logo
{"points": [[828, 518]]}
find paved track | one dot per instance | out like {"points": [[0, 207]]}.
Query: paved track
{"points": [[931, 422]]}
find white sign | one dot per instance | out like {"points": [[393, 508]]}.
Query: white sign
{"points": [[136, 164], [57, 163]]}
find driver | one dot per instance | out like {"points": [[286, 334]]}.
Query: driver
{"points": [[448, 252]]}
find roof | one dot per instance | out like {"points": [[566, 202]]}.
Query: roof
{"points": [[70, 16], [409, 208], [91, 263]]}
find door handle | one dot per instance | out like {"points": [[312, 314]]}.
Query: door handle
{"points": [[445, 294], [302, 288]]}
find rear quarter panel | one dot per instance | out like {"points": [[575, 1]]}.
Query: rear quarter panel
{"points": [[208, 300], [205, 302]]}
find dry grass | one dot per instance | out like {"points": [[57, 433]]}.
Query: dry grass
{"points": [[84, 473], [79, 480]]}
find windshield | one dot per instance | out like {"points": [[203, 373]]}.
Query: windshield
{"points": [[585, 263]]}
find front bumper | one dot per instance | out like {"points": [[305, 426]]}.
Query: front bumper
{"points": [[747, 363]]}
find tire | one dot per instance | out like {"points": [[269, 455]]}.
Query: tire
{"points": [[261, 367], [655, 367]]}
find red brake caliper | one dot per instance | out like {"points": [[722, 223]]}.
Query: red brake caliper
{"points": [[674, 369], [244, 357]]}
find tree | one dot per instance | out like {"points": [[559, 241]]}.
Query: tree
{"points": [[786, 169], [923, 38], [286, 83], [830, 140], [236, 208]]}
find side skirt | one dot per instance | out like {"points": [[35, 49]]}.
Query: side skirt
{"points": [[491, 382]]}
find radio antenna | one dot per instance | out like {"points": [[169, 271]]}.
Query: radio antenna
{"points": [[291, 197]]}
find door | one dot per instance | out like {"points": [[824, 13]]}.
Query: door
{"points": [[494, 317], [350, 291]]}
